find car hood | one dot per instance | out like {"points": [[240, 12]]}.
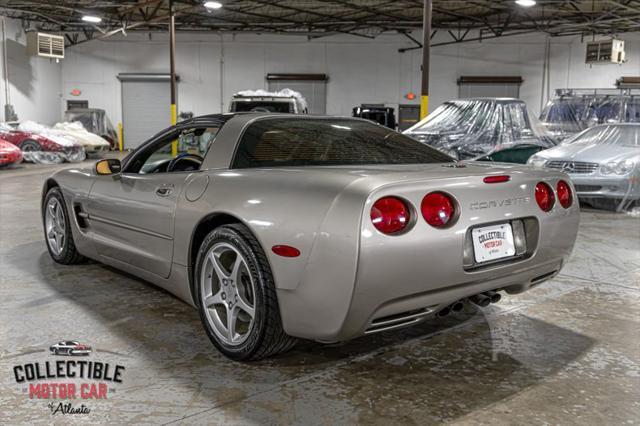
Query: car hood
{"points": [[468, 146], [590, 153]]}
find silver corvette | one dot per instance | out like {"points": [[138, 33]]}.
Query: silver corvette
{"points": [[278, 227]]}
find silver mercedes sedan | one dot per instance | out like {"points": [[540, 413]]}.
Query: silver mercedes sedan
{"points": [[277, 227], [602, 161]]}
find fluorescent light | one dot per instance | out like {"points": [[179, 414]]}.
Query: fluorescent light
{"points": [[526, 3], [212, 4], [92, 19]]}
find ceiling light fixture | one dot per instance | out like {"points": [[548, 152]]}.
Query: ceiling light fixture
{"points": [[526, 3], [212, 4], [92, 19]]}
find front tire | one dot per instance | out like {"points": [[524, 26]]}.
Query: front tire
{"points": [[57, 229], [236, 296]]}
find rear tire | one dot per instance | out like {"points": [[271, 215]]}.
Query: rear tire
{"points": [[249, 289], [57, 229]]}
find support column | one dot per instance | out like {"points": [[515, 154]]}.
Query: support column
{"points": [[426, 53], [172, 61]]}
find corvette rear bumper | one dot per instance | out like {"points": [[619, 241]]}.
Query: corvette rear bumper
{"points": [[430, 302], [400, 280]]}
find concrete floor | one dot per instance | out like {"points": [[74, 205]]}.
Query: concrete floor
{"points": [[567, 352]]}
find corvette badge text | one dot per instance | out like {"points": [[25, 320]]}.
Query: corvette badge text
{"points": [[64, 382], [480, 205]]}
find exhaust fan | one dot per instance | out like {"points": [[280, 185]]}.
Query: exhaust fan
{"points": [[45, 45]]}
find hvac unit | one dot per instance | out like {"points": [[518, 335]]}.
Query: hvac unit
{"points": [[45, 45], [605, 52]]}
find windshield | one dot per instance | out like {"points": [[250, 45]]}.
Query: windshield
{"points": [[278, 142], [620, 135], [261, 106]]}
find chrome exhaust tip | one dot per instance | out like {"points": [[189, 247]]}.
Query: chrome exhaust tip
{"points": [[457, 306], [480, 300], [493, 296]]}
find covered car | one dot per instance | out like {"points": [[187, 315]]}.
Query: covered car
{"points": [[94, 120], [9, 153], [44, 147], [285, 101], [603, 163], [92, 143], [471, 128], [573, 110], [564, 116]]}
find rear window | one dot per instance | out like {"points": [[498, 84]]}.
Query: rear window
{"points": [[279, 142]]}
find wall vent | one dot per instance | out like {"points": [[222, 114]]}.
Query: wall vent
{"points": [[45, 45]]}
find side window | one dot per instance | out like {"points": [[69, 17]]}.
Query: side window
{"points": [[178, 152]]}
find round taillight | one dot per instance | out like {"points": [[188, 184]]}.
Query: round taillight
{"points": [[544, 196], [437, 209], [390, 215], [565, 198]]}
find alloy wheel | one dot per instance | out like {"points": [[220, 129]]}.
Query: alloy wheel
{"points": [[228, 294], [55, 226]]}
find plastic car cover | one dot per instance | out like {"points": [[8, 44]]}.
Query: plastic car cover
{"points": [[284, 93], [91, 142], [616, 151], [71, 150], [470, 128], [573, 111], [563, 116], [93, 120], [620, 157]]}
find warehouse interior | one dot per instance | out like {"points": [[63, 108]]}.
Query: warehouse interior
{"points": [[112, 74]]}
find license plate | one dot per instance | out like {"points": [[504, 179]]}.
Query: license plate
{"points": [[493, 242]]}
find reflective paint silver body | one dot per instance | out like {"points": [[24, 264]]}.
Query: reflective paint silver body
{"points": [[348, 273]]}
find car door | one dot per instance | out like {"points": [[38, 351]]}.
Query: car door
{"points": [[132, 213]]}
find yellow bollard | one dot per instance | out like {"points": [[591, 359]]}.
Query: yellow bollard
{"points": [[120, 138], [174, 120]]}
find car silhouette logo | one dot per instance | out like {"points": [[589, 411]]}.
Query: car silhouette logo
{"points": [[568, 167], [70, 348]]}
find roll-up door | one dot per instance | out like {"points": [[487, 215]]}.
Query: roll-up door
{"points": [[145, 106], [312, 86]]}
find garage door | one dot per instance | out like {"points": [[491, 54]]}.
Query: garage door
{"points": [[145, 108], [489, 86], [312, 86]]}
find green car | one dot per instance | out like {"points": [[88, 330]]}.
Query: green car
{"points": [[517, 154]]}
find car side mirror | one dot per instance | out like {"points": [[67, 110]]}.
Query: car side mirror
{"points": [[109, 166]]}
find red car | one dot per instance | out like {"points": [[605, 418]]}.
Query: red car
{"points": [[9, 153], [40, 148]]}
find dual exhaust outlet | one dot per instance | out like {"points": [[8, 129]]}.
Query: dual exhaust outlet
{"points": [[481, 300]]}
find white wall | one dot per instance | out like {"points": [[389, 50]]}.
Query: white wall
{"points": [[34, 83], [359, 70]]}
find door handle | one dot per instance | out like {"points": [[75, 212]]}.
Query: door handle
{"points": [[163, 191]]}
